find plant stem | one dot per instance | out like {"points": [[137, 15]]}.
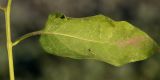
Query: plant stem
{"points": [[29, 35], [1, 8], [7, 12]]}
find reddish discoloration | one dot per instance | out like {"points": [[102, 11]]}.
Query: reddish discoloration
{"points": [[131, 41]]}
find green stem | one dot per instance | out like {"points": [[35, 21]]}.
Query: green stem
{"points": [[2, 9], [29, 35], [7, 12]]}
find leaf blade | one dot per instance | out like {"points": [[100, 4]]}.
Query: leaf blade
{"points": [[97, 37]]}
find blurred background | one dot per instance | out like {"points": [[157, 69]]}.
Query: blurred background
{"points": [[33, 63]]}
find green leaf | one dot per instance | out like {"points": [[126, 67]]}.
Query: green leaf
{"points": [[96, 37]]}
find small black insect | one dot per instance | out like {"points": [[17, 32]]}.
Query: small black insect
{"points": [[89, 50]]}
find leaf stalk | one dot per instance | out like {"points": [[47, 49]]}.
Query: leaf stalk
{"points": [[2, 9], [26, 36]]}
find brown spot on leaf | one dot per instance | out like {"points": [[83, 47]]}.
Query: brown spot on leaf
{"points": [[131, 41]]}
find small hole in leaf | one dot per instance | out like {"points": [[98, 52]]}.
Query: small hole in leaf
{"points": [[62, 16], [59, 15]]}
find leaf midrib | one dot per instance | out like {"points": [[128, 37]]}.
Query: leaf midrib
{"points": [[61, 34]]}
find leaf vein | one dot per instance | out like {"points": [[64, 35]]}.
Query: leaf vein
{"points": [[78, 37]]}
